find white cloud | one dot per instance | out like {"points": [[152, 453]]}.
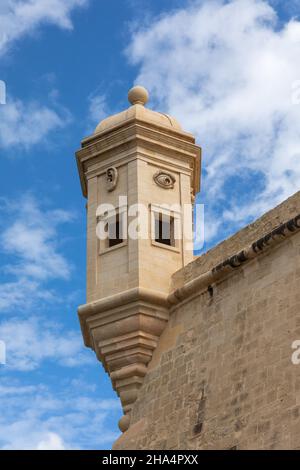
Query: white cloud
{"points": [[51, 441], [36, 417], [34, 340], [26, 124], [20, 17], [30, 240], [23, 293], [226, 71], [97, 108]]}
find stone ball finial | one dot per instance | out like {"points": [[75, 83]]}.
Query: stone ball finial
{"points": [[138, 95]]}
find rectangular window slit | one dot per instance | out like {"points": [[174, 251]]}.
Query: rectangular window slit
{"points": [[164, 229], [115, 231]]}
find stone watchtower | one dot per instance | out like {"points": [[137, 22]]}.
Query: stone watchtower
{"points": [[138, 170]]}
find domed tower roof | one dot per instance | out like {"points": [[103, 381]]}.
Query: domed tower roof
{"points": [[138, 97], [143, 128]]}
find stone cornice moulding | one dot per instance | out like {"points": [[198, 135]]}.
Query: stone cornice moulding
{"points": [[137, 294], [229, 265], [137, 134], [155, 138], [133, 141], [180, 134]]}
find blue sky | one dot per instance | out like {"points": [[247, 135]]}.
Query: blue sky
{"points": [[228, 71]]}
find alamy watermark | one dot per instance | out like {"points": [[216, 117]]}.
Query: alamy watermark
{"points": [[296, 354], [164, 224], [2, 92]]}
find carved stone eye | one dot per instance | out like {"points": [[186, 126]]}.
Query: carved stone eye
{"points": [[164, 180]]}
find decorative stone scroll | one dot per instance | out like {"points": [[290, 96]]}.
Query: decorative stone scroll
{"points": [[111, 178], [164, 179]]}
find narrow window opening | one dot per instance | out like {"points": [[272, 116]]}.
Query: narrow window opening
{"points": [[164, 229], [115, 231]]}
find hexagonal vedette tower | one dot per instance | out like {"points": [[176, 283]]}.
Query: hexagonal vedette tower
{"points": [[137, 171]]}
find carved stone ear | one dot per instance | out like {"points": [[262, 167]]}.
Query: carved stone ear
{"points": [[164, 180], [111, 178]]}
